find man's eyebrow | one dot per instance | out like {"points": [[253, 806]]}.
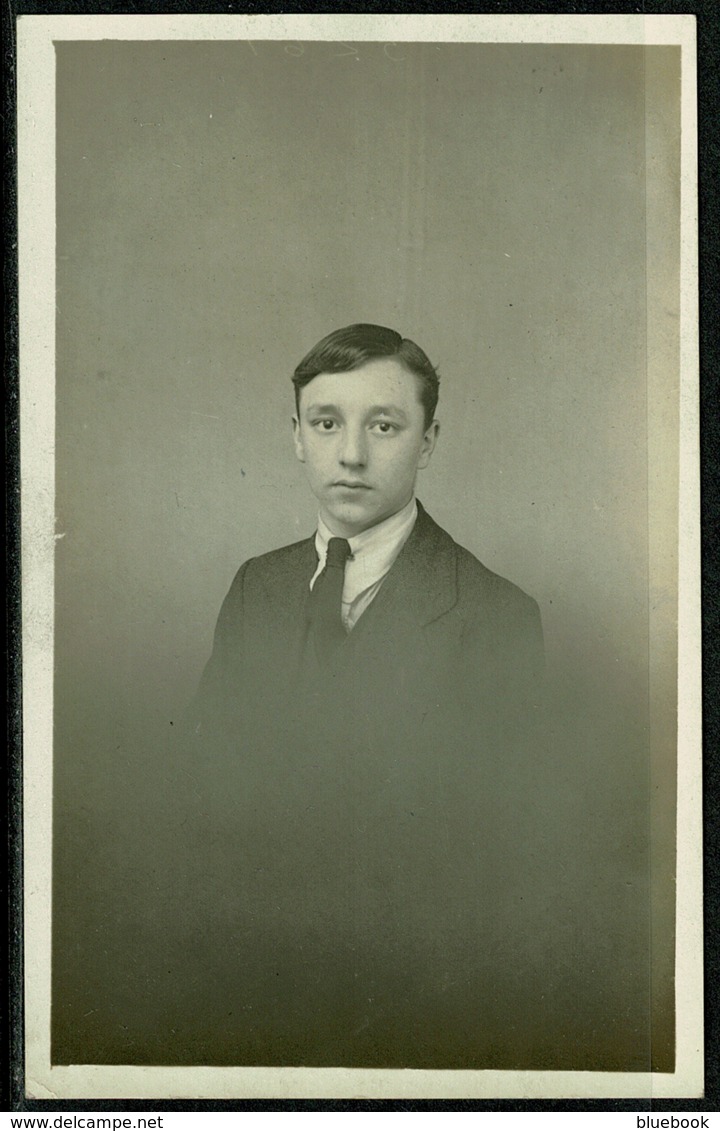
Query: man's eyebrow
{"points": [[387, 410], [373, 410], [322, 408]]}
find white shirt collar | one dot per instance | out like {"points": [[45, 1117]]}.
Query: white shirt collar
{"points": [[373, 551]]}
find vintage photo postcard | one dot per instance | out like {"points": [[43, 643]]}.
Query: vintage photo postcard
{"points": [[360, 556]]}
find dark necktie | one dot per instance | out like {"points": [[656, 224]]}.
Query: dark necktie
{"points": [[325, 606]]}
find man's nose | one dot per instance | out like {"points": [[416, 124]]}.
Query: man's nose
{"points": [[353, 450]]}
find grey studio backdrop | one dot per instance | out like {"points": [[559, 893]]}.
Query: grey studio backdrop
{"points": [[221, 206]]}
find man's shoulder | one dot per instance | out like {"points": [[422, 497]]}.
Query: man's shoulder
{"points": [[294, 551], [278, 564], [475, 580]]}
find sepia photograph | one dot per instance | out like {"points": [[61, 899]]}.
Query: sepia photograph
{"points": [[358, 380]]}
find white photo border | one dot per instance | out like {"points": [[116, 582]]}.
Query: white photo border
{"points": [[36, 192]]}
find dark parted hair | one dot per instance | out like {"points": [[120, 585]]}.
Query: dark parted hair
{"points": [[353, 346]]}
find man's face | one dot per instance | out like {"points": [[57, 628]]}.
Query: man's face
{"points": [[362, 438]]}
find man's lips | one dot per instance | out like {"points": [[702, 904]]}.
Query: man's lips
{"points": [[351, 486]]}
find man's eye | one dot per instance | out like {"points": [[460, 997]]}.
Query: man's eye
{"points": [[325, 425], [384, 427]]}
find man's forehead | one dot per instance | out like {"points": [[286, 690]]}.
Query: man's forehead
{"points": [[381, 382]]}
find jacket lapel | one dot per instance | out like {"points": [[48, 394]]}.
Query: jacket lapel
{"points": [[281, 611], [289, 587], [421, 585]]}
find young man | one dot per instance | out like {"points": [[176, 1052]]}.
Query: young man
{"points": [[365, 730]]}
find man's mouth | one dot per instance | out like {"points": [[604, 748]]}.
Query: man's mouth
{"points": [[353, 486]]}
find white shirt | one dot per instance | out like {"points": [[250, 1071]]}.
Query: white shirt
{"points": [[372, 555]]}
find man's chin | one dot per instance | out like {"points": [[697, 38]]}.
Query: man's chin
{"points": [[352, 517]]}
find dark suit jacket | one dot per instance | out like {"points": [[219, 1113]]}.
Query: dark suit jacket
{"points": [[442, 625], [365, 837]]}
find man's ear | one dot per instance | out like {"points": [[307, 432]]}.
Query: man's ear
{"points": [[428, 444], [297, 440]]}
